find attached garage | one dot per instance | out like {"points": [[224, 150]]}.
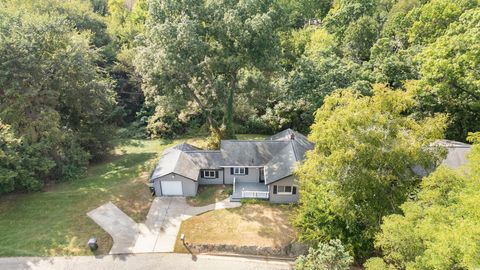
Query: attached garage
{"points": [[171, 188], [175, 185], [175, 175]]}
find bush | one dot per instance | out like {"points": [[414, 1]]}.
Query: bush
{"points": [[252, 201], [330, 256], [377, 264]]}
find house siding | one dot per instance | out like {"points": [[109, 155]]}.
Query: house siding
{"points": [[252, 177], [189, 187], [278, 198], [212, 181]]}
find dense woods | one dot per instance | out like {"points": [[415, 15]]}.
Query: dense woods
{"points": [[374, 82]]}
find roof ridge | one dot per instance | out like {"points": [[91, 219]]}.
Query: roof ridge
{"points": [[294, 150]]}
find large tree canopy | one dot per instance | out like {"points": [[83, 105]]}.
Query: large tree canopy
{"points": [[450, 81], [440, 228], [197, 51], [54, 96], [362, 166]]}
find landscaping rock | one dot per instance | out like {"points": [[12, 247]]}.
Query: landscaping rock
{"points": [[291, 250]]}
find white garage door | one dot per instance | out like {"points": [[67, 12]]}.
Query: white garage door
{"points": [[172, 188]]}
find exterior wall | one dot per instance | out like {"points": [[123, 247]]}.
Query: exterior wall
{"points": [[189, 187], [253, 176], [212, 181], [279, 198]]}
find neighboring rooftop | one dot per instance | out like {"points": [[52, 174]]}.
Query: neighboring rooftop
{"points": [[457, 153]]}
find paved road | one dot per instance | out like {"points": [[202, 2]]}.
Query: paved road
{"points": [[158, 233], [148, 261]]}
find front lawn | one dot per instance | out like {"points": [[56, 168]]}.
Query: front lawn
{"points": [[208, 194], [54, 221], [262, 225]]}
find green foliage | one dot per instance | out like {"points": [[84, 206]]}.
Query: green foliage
{"points": [[359, 38], [54, 96], [295, 114], [200, 55], [433, 18], [346, 12], [449, 75], [300, 12], [361, 168], [331, 255], [376, 263], [439, 229]]}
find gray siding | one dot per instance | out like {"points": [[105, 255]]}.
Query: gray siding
{"points": [[212, 181], [253, 176], [189, 187], [279, 198]]}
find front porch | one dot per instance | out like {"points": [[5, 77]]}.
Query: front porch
{"points": [[251, 190]]}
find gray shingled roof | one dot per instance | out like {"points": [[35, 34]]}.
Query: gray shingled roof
{"points": [[175, 161], [278, 154], [250, 153], [281, 165], [457, 153], [206, 159]]}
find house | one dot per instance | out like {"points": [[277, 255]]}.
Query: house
{"points": [[255, 169], [457, 153]]}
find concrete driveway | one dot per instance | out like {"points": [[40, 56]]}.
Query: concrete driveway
{"points": [[161, 227], [121, 227]]}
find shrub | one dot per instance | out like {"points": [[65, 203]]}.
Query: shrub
{"points": [[330, 256]]}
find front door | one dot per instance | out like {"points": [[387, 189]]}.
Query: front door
{"points": [[261, 175]]}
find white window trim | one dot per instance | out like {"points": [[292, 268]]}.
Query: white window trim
{"points": [[211, 174], [238, 171], [284, 192]]}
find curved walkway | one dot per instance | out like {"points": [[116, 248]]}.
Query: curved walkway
{"points": [[158, 233]]}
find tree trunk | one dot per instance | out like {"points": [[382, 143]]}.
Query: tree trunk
{"points": [[229, 129], [211, 122]]}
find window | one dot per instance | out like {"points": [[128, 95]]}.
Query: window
{"points": [[209, 174], [238, 170], [285, 190]]}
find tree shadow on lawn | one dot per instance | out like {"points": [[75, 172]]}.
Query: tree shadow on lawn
{"points": [[55, 221]]}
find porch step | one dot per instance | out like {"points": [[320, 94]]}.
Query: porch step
{"points": [[235, 199]]}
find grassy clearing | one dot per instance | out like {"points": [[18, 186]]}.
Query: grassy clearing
{"points": [[209, 194], [263, 224], [54, 221]]}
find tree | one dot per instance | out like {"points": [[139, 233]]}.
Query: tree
{"points": [[439, 228], [359, 38], [392, 64], [450, 82], [199, 53], [361, 168], [301, 12], [331, 255], [346, 12], [54, 97], [432, 19]]}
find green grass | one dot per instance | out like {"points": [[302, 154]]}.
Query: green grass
{"points": [[208, 194], [54, 221]]}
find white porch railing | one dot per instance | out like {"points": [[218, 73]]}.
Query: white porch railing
{"points": [[255, 194], [234, 184]]}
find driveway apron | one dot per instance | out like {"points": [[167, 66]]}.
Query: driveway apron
{"points": [[121, 227], [161, 227]]}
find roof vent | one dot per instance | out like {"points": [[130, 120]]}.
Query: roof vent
{"points": [[292, 136]]}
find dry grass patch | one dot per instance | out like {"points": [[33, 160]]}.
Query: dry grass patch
{"points": [[262, 225]]}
